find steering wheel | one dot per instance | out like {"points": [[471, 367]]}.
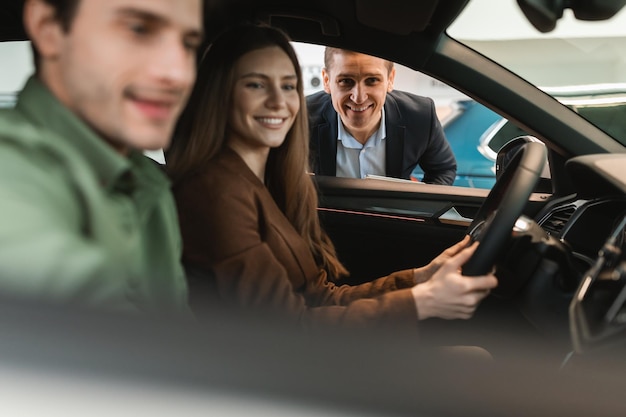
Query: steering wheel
{"points": [[493, 224]]}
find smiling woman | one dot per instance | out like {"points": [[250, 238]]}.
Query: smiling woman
{"points": [[265, 104], [253, 240]]}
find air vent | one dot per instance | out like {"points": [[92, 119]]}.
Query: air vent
{"points": [[556, 221]]}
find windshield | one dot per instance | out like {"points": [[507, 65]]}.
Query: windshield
{"points": [[581, 63]]}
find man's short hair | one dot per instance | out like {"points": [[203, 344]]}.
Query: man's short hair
{"points": [[329, 53], [65, 10]]}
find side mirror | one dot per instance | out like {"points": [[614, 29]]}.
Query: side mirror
{"points": [[506, 154]]}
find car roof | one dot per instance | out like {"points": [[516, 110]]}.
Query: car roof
{"points": [[321, 22], [11, 28], [412, 34]]}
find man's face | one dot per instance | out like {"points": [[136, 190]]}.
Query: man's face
{"points": [[126, 67], [358, 85]]}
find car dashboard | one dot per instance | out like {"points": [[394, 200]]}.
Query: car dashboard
{"points": [[585, 220], [577, 240]]}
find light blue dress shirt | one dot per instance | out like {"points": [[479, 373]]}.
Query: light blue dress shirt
{"points": [[355, 160]]}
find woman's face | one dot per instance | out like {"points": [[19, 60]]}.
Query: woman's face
{"points": [[265, 100]]}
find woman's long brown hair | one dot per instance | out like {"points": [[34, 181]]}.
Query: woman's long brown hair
{"points": [[202, 132]]}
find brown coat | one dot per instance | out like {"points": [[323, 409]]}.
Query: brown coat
{"points": [[250, 255]]}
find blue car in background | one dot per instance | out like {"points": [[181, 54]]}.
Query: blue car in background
{"points": [[468, 131], [476, 133]]}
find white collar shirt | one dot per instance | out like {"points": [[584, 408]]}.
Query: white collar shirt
{"points": [[356, 160]]}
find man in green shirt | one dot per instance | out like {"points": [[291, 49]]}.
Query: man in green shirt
{"points": [[86, 219]]}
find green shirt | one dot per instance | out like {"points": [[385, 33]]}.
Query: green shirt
{"points": [[80, 223]]}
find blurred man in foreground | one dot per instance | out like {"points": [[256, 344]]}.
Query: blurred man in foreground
{"points": [[86, 218]]}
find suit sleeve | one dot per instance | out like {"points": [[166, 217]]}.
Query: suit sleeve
{"points": [[438, 161], [223, 237]]}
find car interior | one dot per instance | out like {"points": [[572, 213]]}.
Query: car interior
{"points": [[553, 226], [380, 226]]}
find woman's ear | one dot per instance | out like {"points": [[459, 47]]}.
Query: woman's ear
{"points": [[43, 27]]}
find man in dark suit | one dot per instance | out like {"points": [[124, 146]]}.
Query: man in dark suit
{"points": [[361, 142]]}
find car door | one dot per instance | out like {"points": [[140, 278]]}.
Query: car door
{"points": [[382, 225]]}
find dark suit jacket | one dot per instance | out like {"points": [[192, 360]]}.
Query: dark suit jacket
{"points": [[245, 252], [414, 135]]}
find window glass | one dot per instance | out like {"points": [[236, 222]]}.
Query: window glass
{"points": [[468, 125], [580, 63], [610, 118]]}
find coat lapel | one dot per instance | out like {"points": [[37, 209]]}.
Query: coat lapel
{"points": [[394, 142], [328, 142], [274, 217]]}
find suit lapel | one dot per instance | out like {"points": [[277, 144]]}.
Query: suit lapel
{"points": [[328, 142], [394, 142]]}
